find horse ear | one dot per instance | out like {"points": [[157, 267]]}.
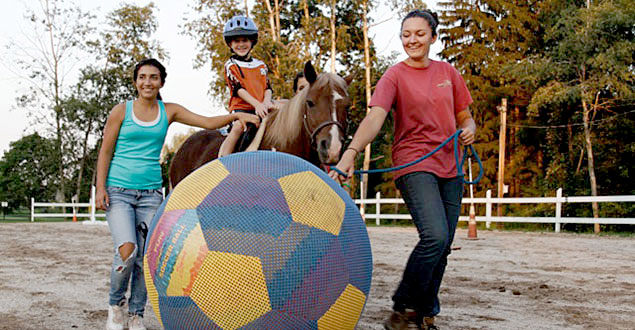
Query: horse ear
{"points": [[348, 79], [309, 72]]}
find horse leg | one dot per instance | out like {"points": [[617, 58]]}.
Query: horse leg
{"points": [[255, 144]]}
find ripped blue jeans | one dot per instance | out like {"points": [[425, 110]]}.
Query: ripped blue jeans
{"points": [[127, 210]]}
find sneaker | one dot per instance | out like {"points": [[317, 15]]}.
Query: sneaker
{"points": [[428, 324], [397, 321], [116, 317], [135, 322]]}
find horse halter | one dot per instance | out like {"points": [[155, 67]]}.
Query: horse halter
{"points": [[317, 130]]}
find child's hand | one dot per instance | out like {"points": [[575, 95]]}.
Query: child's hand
{"points": [[268, 104], [245, 118], [261, 110]]}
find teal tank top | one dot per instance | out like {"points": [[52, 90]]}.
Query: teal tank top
{"points": [[135, 162]]}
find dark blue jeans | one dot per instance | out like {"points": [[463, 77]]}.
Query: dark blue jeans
{"points": [[435, 205]]}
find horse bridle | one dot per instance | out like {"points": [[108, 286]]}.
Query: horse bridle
{"points": [[315, 131]]}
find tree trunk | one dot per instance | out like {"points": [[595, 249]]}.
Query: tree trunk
{"points": [[58, 115], [305, 24], [589, 150], [272, 22], [274, 16], [82, 162], [333, 48], [367, 150], [277, 16]]}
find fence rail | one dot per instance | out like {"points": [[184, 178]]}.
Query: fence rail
{"points": [[91, 215], [557, 219]]}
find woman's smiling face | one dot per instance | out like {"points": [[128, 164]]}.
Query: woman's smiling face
{"points": [[416, 38], [148, 81]]}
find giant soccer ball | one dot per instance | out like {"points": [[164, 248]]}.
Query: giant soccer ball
{"points": [[258, 240]]}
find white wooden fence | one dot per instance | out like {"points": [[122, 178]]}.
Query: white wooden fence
{"points": [[92, 215], [557, 219]]}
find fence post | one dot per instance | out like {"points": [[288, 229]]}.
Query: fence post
{"points": [[558, 208], [362, 208], [32, 208], [92, 204], [377, 208], [488, 208]]}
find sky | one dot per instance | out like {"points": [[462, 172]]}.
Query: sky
{"points": [[185, 85]]}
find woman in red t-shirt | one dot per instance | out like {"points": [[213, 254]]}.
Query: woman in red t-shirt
{"points": [[430, 100]]}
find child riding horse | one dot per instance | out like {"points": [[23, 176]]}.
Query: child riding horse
{"points": [[312, 125]]}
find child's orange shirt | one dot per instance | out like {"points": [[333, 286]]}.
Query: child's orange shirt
{"points": [[250, 75]]}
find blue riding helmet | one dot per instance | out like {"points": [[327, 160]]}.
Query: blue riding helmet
{"points": [[241, 26]]}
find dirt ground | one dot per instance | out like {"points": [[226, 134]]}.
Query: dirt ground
{"points": [[55, 276]]}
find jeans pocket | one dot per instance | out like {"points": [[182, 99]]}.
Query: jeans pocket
{"points": [[158, 192]]}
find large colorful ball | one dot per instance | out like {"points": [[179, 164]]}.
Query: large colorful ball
{"points": [[258, 240]]}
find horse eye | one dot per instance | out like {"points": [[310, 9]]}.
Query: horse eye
{"points": [[310, 103]]}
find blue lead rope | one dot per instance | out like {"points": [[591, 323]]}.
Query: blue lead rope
{"points": [[459, 165]]}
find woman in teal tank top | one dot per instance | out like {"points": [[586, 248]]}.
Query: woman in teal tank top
{"points": [[129, 182]]}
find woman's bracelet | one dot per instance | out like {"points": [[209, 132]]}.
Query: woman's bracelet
{"points": [[344, 184], [356, 151]]}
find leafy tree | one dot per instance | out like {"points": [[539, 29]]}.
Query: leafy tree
{"points": [[50, 52], [481, 37], [27, 171], [584, 75]]}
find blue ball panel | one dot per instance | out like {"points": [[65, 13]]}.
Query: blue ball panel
{"points": [[183, 313], [280, 320], [321, 286], [237, 242], [304, 258], [247, 204], [276, 256], [265, 164], [356, 249]]}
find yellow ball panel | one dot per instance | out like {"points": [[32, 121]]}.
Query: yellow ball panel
{"points": [[153, 295], [231, 289], [191, 191], [307, 195], [187, 264], [345, 312]]}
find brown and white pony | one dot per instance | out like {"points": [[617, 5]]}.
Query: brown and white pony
{"points": [[312, 125]]}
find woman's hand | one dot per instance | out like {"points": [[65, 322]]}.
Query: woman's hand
{"points": [[467, 124], [101, 198], [346, 165], [468, 135], [245, 118]]}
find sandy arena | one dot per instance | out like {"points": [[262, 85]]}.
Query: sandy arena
{"points": [[55, 276]]}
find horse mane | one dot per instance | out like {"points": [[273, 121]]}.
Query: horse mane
{"points": [[285, 125]]}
